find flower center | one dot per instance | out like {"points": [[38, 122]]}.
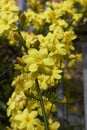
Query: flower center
{"points": [[27, 119]]}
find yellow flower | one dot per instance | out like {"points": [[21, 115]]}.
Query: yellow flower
{"points": [[64, 100], [7, 22], [77, 17], [33, 104], [53, 125], [59, 23], [37, 60], [54, 45], [11, 104], [10, 7], [79, 57], [43, 41], [6, 1], [40, 127], [74, 109], [72, 56], [43, 81], [29, 38], [67, 39], [14, 123], [17, 101], [55, 75], [84, 3], [49, 107], [26, 120], [49, 15], [23, 82]]}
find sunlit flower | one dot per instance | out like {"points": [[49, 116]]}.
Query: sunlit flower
{"points": [[7, 22], [27, 120], [16, 101], [53, 125], [37, 60]]}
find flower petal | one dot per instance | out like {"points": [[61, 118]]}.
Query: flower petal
{"points": [[33, 68], [48, 62]]}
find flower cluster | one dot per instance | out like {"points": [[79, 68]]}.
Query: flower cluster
{"points": [[8, 15], [46, 35]]}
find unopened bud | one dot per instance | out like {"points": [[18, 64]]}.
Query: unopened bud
{"points": [[17, 36]]}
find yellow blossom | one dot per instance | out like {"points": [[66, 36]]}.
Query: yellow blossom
{"points": [[55, 75], [37, 60], [49, 107], [17, 101], [10, 7], [7, 22], [32, 105], [23, 82], [26, 120], [43, 81], [59, 23], [53, 125]]}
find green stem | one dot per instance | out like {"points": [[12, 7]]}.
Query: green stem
{"points": [[42, 106], [23, 42]]}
